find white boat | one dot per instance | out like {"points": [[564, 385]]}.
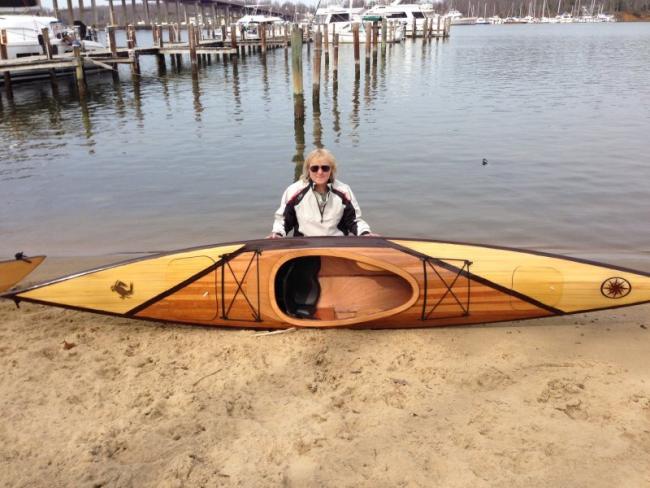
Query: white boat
{"points": [[457, 18], [24, 31], [339, 20], [407, 13], [250, 25]]}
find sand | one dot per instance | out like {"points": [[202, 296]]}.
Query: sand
{"points": [[88, 400]]}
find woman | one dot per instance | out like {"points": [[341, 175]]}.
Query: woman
{"points": [[318, 204]]}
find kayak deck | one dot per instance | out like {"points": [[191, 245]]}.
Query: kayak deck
{"points": [[345, 282]]}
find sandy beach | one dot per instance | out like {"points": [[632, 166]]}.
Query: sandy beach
{"points": [[94, 401]]}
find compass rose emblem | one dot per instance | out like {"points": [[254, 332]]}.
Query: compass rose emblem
{"points": [[615, 287]]}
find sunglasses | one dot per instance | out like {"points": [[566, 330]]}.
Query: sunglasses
{"points": [[324, 167]]}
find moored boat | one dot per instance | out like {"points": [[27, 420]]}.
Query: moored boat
{"points": [[360, 282]]}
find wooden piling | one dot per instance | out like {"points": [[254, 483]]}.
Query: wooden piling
{"points": [[355, 42], [79, 71], [375, 37], [384, 34], [4, 55], [296, 69], [335, 67], [111, 12], [147, 17], [178, 12], [125, 15], [233, 36], [316, 63], [47, 46], [438, 27], [82, 10], [93, 7], [134, 13], [414, 34], [55, 7], [70, 13], [326, 39], [192, 43], [214, 21], [166, 11], [262, 30], [223, 34], [425, 25], [110, 34], [368, 29]]}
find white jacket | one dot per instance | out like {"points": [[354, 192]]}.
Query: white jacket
{"points": [[299, 211]]}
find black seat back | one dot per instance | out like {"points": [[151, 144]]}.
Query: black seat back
{"points": [[296, 286]]}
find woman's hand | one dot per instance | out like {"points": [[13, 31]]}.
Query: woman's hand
{"points": [[274, 235], [370, 234]]}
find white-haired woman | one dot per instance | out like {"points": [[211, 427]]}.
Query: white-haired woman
{"points": [[318, 204]]}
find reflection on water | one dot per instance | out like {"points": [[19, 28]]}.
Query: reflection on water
{"points": [[167, 159]]}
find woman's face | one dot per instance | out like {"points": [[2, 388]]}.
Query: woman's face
{"points": [[320, 171]]}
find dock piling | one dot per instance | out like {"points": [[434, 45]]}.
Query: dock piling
{"points": [[79, 71], [296, 69], [4, 55], [316, 64]]}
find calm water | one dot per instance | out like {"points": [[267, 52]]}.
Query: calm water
{"points": [[561, 113]]}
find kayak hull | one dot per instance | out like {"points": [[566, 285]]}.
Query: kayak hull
{"points": [[362, 282]]}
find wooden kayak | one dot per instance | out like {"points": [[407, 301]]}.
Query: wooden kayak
{"points": [[14, 270], [360, 282]]}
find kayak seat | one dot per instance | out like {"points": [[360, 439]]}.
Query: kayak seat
{"points": [[297, 288]]}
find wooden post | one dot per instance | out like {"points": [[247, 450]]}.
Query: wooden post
{"points": [[147, 17], [55, 6], [178, 12], [47, 47], [93, 7], [79, 71], [233, 36], [134, 15], [335, 41], [375, 37], [223, 34], [368, 30], [70, 13], [316, 62], [296, 68], [166, 11], [111, 12], [192, 39], [425, 24], [110, 34], [214, 21], [4, 55], [384, 34], [415, 28], [355, 41], [438, 27], [263, 37], [327, 45], [125, 16], [81, 10]]}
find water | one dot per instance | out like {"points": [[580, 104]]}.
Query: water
{"points": [[561, 113]]}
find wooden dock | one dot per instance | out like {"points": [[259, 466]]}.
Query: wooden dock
{"points": [[196, 48]]}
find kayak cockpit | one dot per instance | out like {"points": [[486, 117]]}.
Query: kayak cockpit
{"points": [[328, 290]]}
